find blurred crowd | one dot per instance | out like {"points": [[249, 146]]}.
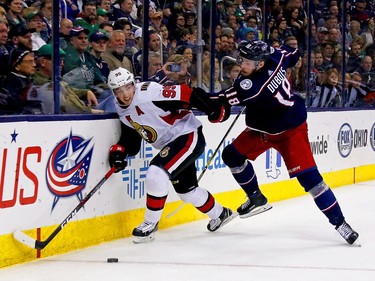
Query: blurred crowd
{"points": [[99, 36]]}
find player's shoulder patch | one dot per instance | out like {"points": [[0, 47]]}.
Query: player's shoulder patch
{"points": [[246, 84]]}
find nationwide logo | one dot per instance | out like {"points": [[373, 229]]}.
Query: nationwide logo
{"points": [[372, 137], [68, 167], [345, 140]]}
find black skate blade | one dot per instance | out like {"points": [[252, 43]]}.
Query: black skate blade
{"points": [[257, 211], [230, 218]]}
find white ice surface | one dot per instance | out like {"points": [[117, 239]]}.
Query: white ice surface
{"points": [[293, 241]]}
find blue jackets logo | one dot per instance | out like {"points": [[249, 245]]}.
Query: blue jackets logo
{"points": [[68, 167]]}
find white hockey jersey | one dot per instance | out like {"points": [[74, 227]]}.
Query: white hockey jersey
{"points": [[154, 115]]}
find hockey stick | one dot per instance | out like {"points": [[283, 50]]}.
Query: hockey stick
{"points": [[210, 160], [39, 245]]}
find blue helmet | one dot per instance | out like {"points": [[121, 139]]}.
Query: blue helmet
{"points": [[256, 50]]}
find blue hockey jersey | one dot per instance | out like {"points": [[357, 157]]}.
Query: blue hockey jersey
{"points": [[271, 107]]}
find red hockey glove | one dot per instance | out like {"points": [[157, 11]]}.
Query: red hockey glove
{"points": [[117, 157]]}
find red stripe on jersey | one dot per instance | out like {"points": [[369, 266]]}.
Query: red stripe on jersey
{"points": [[155, 203], [182, 151], [171, 118], [206, 207], [185, 93]]}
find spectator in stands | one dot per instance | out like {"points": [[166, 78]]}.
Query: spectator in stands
{"points": [[18, 83], [176, 30], [173, 72], [72, 100], [297, 4], [20, 37], [80, 69], [252, 21], [153, 46], [332, 22], [206, 76], [233, 23], [66, 26], [154, 63], [15, 8], [328, 51], [34, 20], [71, 8], [296, 25], [360, 13], [297, 77], [354, 30], [356, 91], [186, 6], [330, 94], [231, 72], [273, 35], [106, 26], [168, 46], [106, 5], [98, 45], [4, 54], [368, 34], [319, 60], [282, 28], [224, 47], [335, 37], [88, 18], [3, 14], [232, 47], [367, 72], [138, 41], [322, 36], [156, 21], [190, 20], [46, 9], [126, 26], [365, 65], [114, 55], [122, 9], [248, 34], [337, 59], [291, 41], [102, 16], [354, 60]]}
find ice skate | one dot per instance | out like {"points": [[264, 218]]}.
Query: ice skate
{"points": [[145, 232], [254, 206], [346, 232], [226, 216]]}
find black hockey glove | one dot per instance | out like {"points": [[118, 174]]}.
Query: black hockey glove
{"points": [[117, 157], [221, 110]]}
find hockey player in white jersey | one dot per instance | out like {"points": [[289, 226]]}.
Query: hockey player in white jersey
{"points": [[162, 117]]}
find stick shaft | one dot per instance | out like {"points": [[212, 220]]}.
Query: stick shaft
{"points": [[23, 238]]}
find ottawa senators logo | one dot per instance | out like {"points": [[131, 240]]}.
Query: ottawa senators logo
{"points": [[146, 132], [164, 152]]}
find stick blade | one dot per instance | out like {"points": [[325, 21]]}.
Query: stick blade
{"points": [[24, 239]]}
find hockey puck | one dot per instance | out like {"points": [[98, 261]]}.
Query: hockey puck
{"points": [[111, 260]]}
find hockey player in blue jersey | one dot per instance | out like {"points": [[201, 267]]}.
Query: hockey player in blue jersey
{"points": [[275, 118]]}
